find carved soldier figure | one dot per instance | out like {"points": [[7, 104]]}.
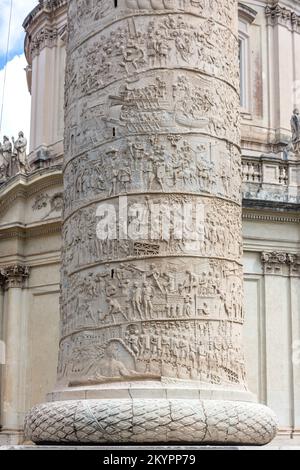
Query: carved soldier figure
{"points": [[137, 299], [115, 309], [133, 340], [20, 146], [187, 308], [147, 300]]}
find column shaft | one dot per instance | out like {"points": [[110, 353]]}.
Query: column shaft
{"points": [[151, 311]]}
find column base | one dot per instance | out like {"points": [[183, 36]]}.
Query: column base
{"points": [[11, 437], [150, 421]]}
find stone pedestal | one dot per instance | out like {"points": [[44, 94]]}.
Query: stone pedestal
{"points": [[151, 311]]}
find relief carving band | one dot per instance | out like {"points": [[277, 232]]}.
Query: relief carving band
{"points": [[152, 292], [172, 323]]}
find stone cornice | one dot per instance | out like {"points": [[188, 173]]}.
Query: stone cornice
{"points": [[280, 15], [14, 276], [44, 26], [22, 187], [23, 232], [275, 262], [45, 6], [281, 209], [261, 217], [247, 13]]}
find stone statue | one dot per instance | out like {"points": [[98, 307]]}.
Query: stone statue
{"points": [[156, 98], [5, 157], [295, 125], [20, 148]]}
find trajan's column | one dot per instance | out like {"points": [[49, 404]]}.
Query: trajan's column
{"points": [[151, 310]]}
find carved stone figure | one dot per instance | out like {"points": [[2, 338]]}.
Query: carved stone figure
{"points": [[152, 289], [20, 146], [5, 158], [295, 125]]}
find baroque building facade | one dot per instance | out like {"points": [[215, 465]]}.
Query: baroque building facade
{"points": [[31, 206]]}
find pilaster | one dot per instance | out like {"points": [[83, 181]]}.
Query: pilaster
{"points": [[14, 279], [282, 284]]}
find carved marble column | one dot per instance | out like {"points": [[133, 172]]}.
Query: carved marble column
{"points": [[15, 277], [151, 320]]}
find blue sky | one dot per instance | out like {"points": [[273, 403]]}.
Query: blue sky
{"points": [[16, 115], [20, 10]]}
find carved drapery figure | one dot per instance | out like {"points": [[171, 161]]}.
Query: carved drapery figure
{"points": [[295, 126], [20, 148], [13, 157], [5, 157], [151, 314]]}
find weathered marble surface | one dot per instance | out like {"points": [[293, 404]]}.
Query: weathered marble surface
{"points": [[152, 113]]}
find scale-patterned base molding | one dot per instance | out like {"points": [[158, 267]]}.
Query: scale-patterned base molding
{"points": [[151, 421]]}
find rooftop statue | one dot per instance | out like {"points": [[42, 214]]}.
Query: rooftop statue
{"points": [[5, 157], [20, 146], [13, 157]]}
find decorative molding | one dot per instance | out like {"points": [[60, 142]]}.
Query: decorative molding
{"points": [[6, 203], [2, 278], [46, 6], [57, 202], [42, 28], [49, 181], [279, 15], [41, 202], [26, 187], [15, 276], [270, 218], [293, 260], [46, 37], [247, 13], [21, 232], [275, 262]]}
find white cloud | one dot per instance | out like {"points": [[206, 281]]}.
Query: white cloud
{"points": [[16, 112], [21, 8]]}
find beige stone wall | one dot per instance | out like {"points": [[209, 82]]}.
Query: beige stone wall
{"points": [[30, 214], [272, 316]]}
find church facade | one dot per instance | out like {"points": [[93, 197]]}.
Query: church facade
{"points": [[31, 205]]}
